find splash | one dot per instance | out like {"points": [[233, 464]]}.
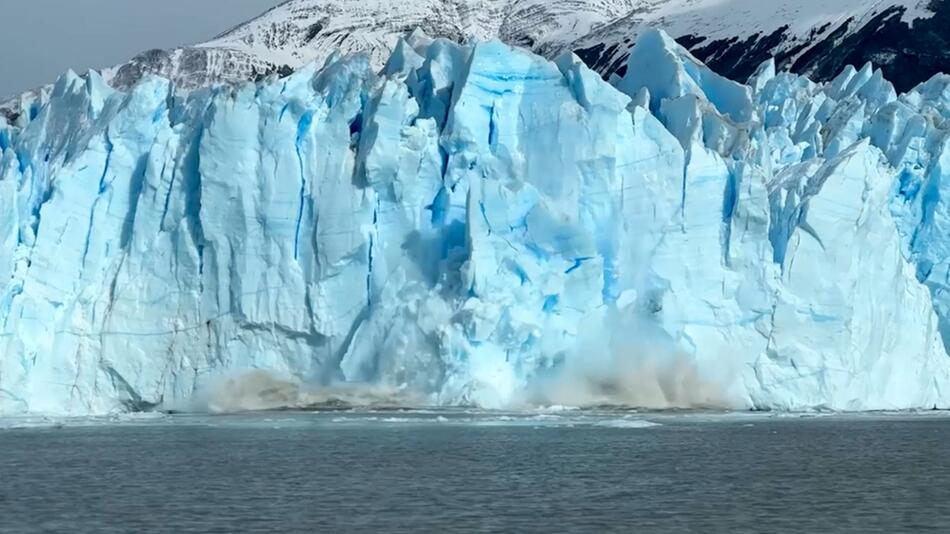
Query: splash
{"points": [[653, 381], [626, 361], [258, 390]]}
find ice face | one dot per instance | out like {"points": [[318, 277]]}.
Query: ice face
{"points": [[479, 225]]}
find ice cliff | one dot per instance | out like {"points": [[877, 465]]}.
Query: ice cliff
{"points": [[480, 225]]}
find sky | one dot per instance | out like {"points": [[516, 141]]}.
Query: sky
{"points": [[41, 39]]}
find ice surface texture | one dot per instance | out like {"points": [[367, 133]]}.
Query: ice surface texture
{"points": [[482, 226]]}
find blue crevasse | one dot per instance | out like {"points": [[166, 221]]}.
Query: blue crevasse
{"points": [[479, 225]]}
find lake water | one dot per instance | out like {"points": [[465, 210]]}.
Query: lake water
{"points": [[420, 471]]}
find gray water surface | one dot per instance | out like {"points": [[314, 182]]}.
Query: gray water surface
{"points": [[459, 471]]}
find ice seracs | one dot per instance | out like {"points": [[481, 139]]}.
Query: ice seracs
{"points": [[479, 225]]}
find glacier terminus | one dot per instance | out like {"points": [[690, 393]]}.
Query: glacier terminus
{"points": [[478, 225]]}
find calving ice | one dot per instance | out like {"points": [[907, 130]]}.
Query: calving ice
{"points": [[476, 224]]}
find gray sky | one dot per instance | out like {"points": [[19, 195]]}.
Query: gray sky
{"points": [[41, 39]]}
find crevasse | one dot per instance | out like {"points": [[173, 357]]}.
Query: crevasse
{"points": [[478, 225]]}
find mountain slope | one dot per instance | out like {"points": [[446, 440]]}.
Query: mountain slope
{"points": [[906, 38], [734, 36], [306, 30], [909, 39]]}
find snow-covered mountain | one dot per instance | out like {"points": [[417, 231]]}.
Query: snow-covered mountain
{"points": [[306, 30], [908, 39], [814, 37]]}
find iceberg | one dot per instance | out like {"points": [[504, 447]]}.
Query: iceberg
{"points": [[481, 226]]}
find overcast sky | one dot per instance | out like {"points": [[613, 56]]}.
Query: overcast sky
{"points": [[40, 39]]}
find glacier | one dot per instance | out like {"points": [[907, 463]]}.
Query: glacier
{"points": [[481, 226]]}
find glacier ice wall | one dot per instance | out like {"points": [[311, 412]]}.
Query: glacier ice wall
{"points": [[480, 225]]}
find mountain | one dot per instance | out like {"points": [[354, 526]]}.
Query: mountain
{"points": [[813, 37], [908, 39], [479, 225], [301, 31]]}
